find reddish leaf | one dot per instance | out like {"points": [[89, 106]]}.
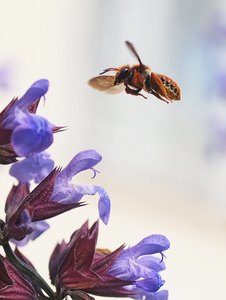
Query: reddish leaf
{"points": [[13, 284], [13, 202], [5, 136], [7, 155]]}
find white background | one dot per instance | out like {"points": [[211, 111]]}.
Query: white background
{"points": [[154, 164]]}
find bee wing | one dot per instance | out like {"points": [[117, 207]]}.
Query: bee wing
{"points": [[105, 83]]}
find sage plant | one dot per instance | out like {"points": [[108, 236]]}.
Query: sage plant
{"points": [[77, 268]]}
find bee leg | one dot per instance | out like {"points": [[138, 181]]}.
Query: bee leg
{"points": [[158, 96], [134, 92]]}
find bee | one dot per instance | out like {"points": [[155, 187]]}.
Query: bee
{"points": [[134, 79]]}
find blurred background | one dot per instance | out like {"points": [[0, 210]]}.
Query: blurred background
{"points": [[164, 166]]}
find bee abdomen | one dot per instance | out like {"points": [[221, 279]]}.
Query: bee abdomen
{"points": [[171, 87]]}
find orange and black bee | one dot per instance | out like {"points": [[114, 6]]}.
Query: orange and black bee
{"points": [[135, 79]]}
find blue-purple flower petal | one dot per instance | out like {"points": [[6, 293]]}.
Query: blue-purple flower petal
{"points": [[152, 262], [38, 89], [104, 204], [139, 265], [155, 243], [84, 160], [151, 284], [31, 134], [35, 167], [66, 193], [35, 92], [161, 295]]}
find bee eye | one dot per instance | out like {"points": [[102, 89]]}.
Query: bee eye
{"points": [[125, 73], [122, 75]]}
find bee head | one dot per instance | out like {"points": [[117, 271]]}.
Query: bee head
{"points": [[123, 74]]}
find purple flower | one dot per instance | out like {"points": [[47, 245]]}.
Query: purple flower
{"points": [[78, 268], [65, 192], [138, 264], [26, 211], [35, 167], [27, 132], [76, 272]]}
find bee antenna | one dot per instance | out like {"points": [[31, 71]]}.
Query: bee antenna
{"points": [[131, 47]]}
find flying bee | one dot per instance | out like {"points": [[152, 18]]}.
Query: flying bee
{"points": [[135, 79]]}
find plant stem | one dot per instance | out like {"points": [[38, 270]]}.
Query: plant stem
{"points": [[27, 270]]}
